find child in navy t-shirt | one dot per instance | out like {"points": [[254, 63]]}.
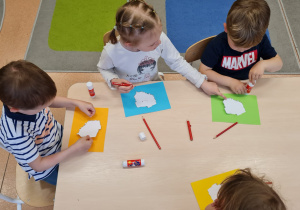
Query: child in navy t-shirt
{"points": [[235, 54]]}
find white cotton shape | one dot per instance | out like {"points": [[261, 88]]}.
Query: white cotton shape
{"points": [[143, 99], [233, 107], [213, 191], [90, 128]]}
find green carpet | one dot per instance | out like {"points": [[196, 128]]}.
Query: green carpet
{"points": [[79, 25], [79, 50]]}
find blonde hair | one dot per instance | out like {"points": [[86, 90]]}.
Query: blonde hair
{"points": [[248, 192], [247, 22], [134, 19]]}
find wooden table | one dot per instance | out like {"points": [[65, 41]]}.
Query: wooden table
{"points": [[98, 180]]}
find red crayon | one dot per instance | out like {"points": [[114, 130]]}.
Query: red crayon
{"points": [[190, 130], [151, 133], [268, 182], [226, 129], [121, 84]]}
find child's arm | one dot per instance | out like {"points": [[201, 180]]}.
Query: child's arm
{"points": [[106, 69], [62, 102], [211, 88], [235, 85], [271, 65], [177, 63], [43, 163]]}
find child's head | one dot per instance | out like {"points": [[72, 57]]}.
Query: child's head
{"points": [[247, 22], [25, 86], [245, 191], [138, 25]]}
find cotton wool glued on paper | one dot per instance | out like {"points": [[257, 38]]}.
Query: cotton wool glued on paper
{"points": [[213, 191], [90, 128], [143, 99], [233, 107], [81, 125]]}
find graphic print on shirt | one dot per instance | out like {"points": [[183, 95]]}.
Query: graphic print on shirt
{"points": [[146, 67], [239, 62], [48, 126]]}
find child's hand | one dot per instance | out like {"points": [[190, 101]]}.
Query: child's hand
{"points": [[86, 108], [238, 87], [256, 72], [122, 89], [82, 145], [211, 88]]}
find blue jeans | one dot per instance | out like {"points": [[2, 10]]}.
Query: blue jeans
{"points": [[52, 178]]}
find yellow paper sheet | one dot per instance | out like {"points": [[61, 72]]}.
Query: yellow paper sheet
{"points": [[201, 188], [81, 118]]}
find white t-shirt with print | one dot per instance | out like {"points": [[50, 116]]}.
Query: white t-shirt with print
{"points": [[118, 62]]}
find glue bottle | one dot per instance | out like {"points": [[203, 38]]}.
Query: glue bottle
{"points": [[133, 163], [249, 86], [91, 89]]}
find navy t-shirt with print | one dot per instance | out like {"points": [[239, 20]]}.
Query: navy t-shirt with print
{"points": [[221, 58]]}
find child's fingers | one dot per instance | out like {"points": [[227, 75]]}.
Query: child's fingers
{"points": [[254, 77], [125, 89], [221, 94], [91, 111], [251, 77]]}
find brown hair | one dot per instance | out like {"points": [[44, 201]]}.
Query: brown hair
{"points": [[23, 85], [133, 19], [248, 192], [247, 22]]}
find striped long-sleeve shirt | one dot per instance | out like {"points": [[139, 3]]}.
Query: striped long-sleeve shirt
{"points": [[30, 136]]}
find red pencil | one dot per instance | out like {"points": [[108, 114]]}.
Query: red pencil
{"points": [[190, 130], [268, 182], [121, 84], [151, 133], [226, 129]]}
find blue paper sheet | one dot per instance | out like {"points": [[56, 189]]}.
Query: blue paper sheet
{"points": [[156, 89]]}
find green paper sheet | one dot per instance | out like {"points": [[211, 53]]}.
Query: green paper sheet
{"points": [[251, 116], [80, 25]]}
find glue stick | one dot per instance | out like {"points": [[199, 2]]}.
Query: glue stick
{"points": [[133, 163], [249, 86], [91, 89]]}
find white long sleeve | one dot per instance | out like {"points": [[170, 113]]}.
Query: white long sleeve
{"points": [[118, 62]]}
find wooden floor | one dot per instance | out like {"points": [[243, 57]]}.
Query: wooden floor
{"points": [[14, 37]]}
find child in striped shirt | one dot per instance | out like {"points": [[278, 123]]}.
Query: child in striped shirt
{"points": [[28, 129]]}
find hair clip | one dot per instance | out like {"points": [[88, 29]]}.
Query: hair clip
{"points": [[142, 27]]}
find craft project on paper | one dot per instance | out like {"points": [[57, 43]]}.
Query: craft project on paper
{"points": [[213, 191], [90, 128], [251, 116], [233, 107], [206, 190], [81, 124], [143, 99]]}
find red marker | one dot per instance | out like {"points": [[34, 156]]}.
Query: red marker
{"points": [[151, 133], [190, 130], [226, 129], [121, 84]]}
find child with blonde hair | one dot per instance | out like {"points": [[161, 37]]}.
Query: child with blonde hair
{"points": [[235, 54], [245, 191], [132, 57]]}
